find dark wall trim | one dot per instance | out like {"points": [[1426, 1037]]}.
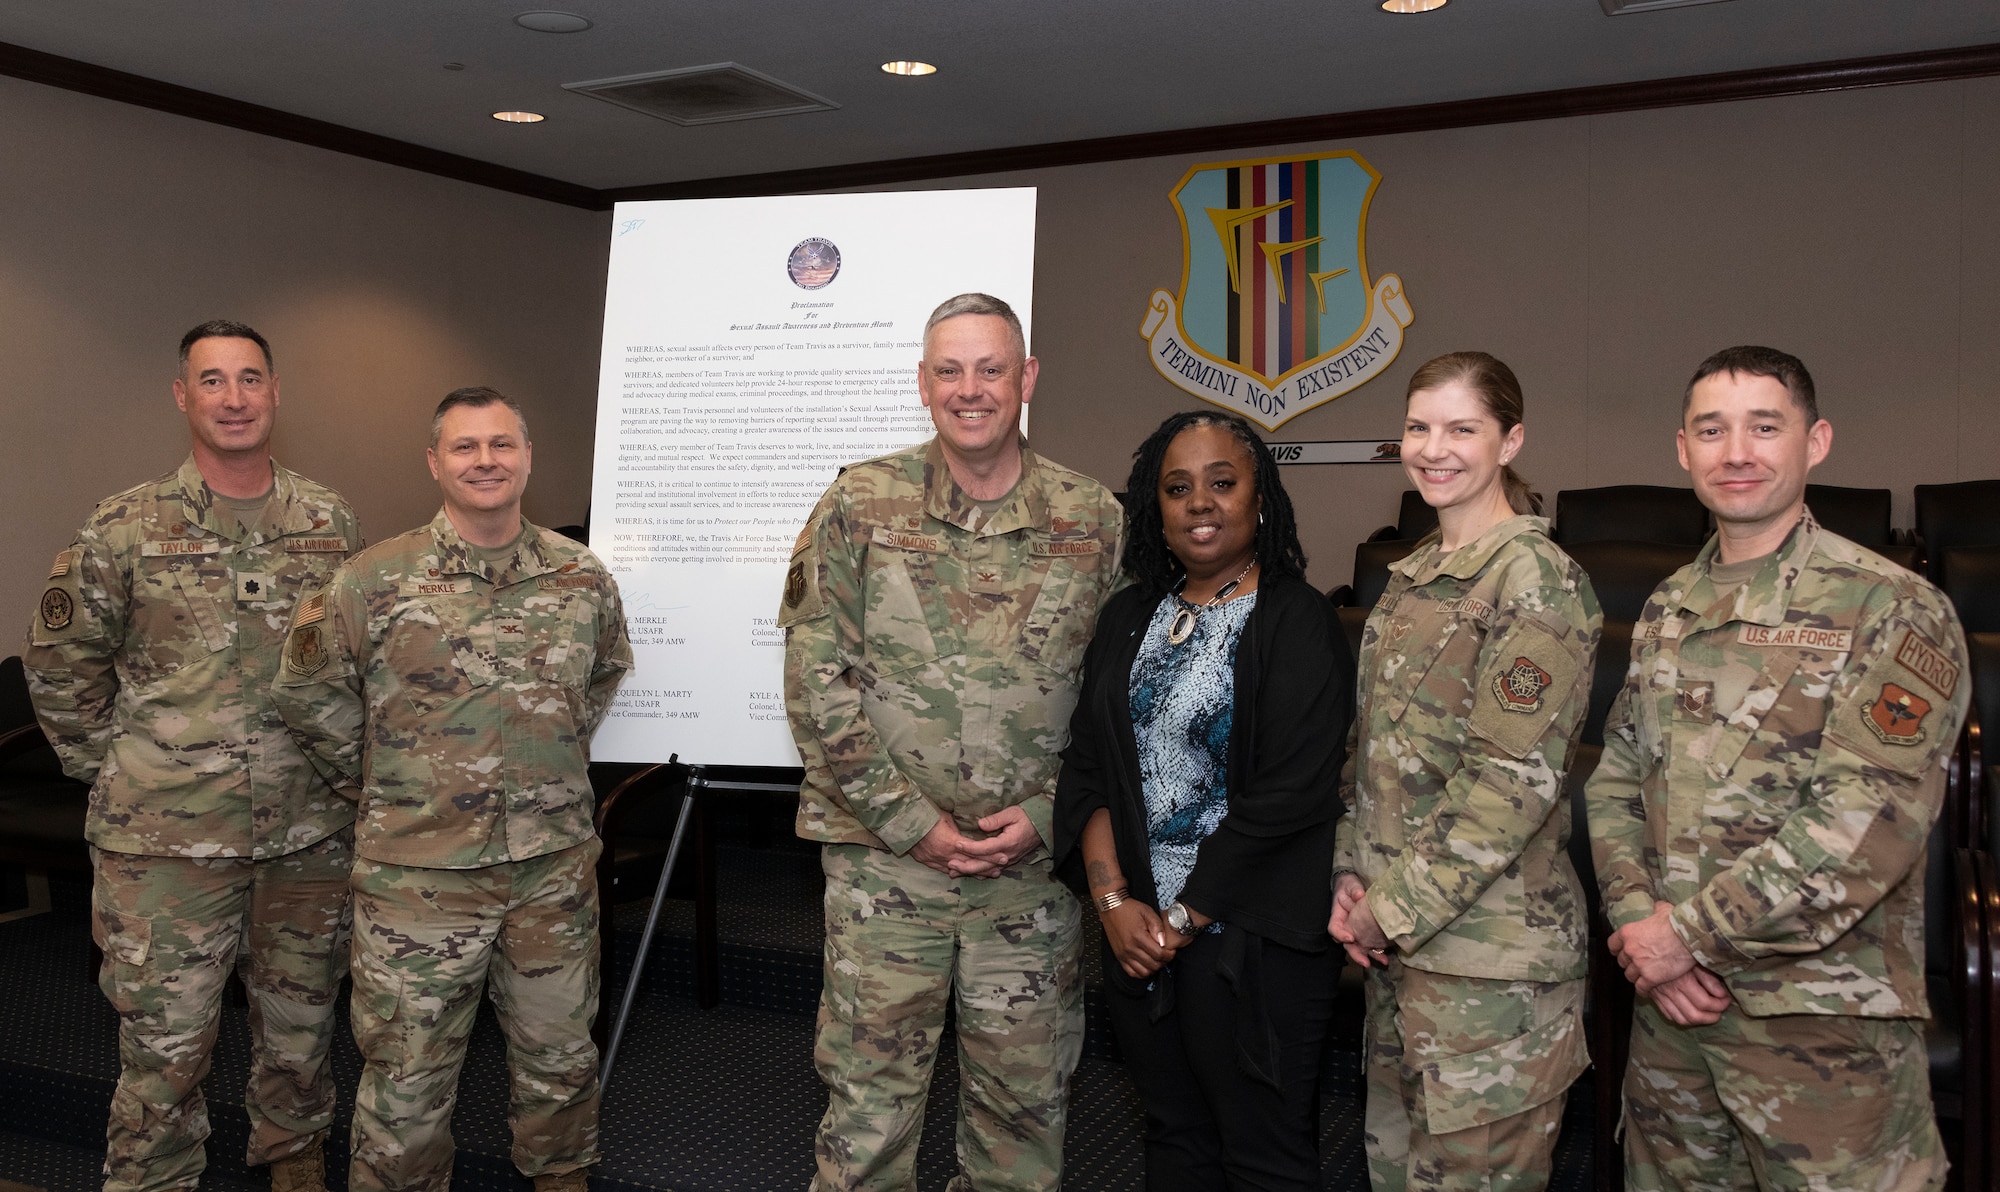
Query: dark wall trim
{"points": [[1891, 70], [1929, 66], [71, 75]]}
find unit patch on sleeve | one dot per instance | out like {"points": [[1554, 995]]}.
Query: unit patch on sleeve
{"points": [[1520, 686], [1897, 716], [58, 609], [307, 653]]}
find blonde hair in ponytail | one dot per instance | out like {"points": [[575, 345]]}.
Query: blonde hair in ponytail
{"points": [[1499, 391]]}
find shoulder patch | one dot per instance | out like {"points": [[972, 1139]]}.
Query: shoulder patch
{"points": [[312, 610], [1928, 663], [1520, 687], [803, 600], [305, 654], [64, 560], [58, 609], [1899, 713], [1530, 681]]}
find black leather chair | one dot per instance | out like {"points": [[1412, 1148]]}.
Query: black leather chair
{"points": [[41, 808], [1630, 512], [1977, 758], [1954, 515], [1414, 519], [1856, 514], [1957, 980], [1371, 568], [1608, 998], [1624, 574], [1970, 575]]}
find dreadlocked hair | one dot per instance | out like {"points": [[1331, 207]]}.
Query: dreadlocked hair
{"points": [[1148, 561]]}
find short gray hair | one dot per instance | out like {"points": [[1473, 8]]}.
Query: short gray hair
{"points": [[476, 397], [977, 304]]}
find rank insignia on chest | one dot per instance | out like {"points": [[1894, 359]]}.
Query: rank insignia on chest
{"points": [[58, 608], [1520, 686], [308, 653], [511, 631], [1897, 715]]}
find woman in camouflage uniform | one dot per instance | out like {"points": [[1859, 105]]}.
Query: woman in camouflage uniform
{"points": [[1452, 886]]}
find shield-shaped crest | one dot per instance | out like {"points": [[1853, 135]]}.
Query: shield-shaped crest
{"points": [[1521, 685], [1897, 715], [1277, 312]]}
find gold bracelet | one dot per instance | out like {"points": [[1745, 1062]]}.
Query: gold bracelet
{"points": [[1109, 900]]}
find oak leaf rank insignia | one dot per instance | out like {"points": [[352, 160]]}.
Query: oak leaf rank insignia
{"points": [[1521, 685]]}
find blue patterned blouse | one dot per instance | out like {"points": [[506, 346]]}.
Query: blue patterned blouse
{"points": [[1183, 701]]}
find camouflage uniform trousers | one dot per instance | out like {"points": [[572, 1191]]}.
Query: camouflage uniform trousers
{"points": [[1467, 1078], [172, 929], [901, 938], [426, 942], [1796, 1101]]}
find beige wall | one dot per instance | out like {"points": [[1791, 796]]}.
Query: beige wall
{"points": [[1601, 256], [380, 289]]}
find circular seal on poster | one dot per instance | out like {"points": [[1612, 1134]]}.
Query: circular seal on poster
{"points": [[814, 264]]}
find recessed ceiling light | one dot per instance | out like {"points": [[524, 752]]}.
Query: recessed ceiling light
{"points": [[909, 68], [1411, 5], [520, 117], [552, 22]]}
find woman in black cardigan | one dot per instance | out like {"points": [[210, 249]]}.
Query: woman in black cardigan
{"points": [[1196, 809]]}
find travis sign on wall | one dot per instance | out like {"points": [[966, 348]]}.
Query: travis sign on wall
{"points": [[1276, 312]]}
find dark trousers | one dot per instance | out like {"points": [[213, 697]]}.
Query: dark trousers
{"points": [[1212, 1121]]}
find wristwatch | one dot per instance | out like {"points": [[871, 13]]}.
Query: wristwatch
{"points": [[1178, 918]]}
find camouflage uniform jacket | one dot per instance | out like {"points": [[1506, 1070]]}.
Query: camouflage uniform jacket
{"points": [[1787, 828], [150, 663], [1475, 677], [931, 661], [458, 695]]}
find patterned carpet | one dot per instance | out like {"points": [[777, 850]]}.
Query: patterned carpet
{"points": [[723, 1100]]}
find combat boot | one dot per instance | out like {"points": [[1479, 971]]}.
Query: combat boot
{"points": [[568, 1181], [303, 1172]]}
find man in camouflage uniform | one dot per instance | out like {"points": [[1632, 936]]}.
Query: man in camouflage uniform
{"points": [[215, 844], [453, 675], [1771, 772], [937, 609]]}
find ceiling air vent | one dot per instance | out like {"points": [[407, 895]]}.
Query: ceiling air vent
{"points": [[704, 94]]}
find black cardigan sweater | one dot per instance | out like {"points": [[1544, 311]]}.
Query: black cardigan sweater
{"points": [[1265, 867]]}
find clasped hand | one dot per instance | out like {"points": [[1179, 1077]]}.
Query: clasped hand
{"points": [[954, 854], [1353, 923], [1660, 967]]}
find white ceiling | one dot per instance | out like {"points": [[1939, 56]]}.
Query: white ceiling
{"points": [[1011, 72]]}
